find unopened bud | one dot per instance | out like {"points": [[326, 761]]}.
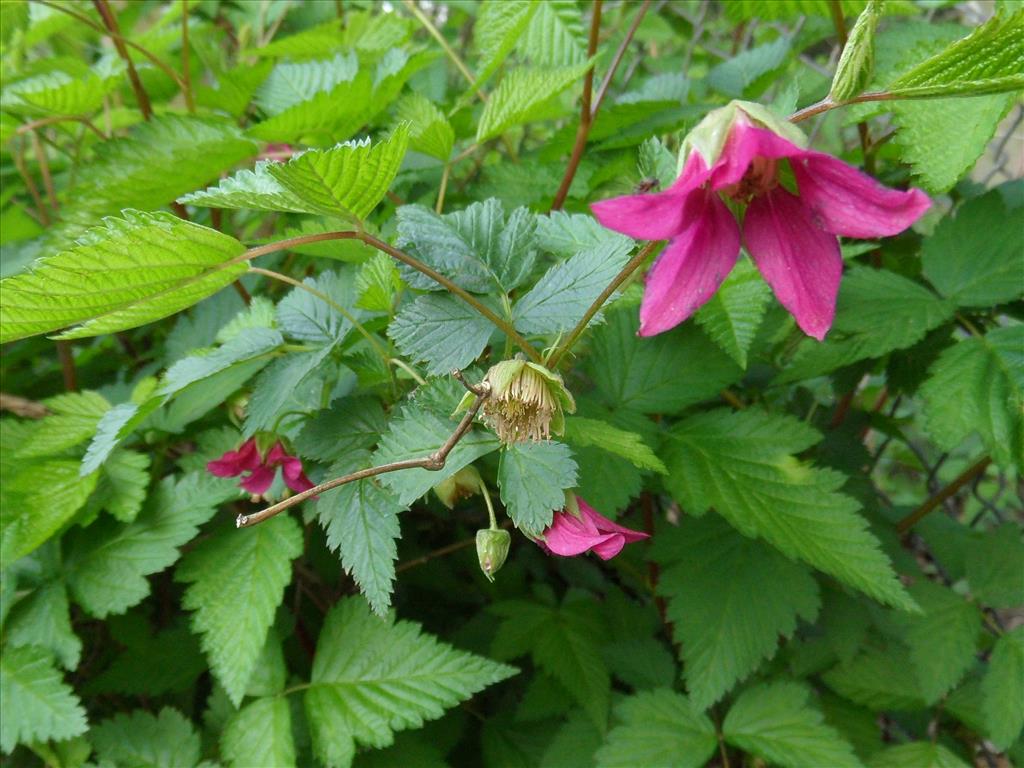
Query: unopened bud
{"points": [[492, 545], [857, 63], [461, 485]]}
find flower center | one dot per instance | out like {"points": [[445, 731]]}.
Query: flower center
{"points": [[761, 177]]}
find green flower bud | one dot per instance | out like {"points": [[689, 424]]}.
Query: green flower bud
{"points": [[857, 63], [526, 402], [461, 485], [492, 546]]}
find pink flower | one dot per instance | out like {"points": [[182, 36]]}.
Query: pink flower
{"points": [[791, 237], [569, 535], [261, 470]]}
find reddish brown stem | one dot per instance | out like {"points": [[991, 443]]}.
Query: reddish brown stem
{"points": [[67, 365], [110, 21], [962, 479]]}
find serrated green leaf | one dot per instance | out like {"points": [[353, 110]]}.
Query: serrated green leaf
{"points": [[775, 722], [181, 663], [377, 283], [165, 740], [249, 344], [348, 180], [942, 640], [133, 277], [857, 61], [606, 481], [916, 754], [730, 599], [1003, 689], [372, 677], [325, 117], [309, 318], [43, 619], [291, 83], [977, 385], [744, 10], [75, 416], [255, 190], [361, 522], [660, 374], [989, 60], [655, 162], [742, 464], [742, 76], [558, 300], [123, 481], [418, 433], [629, 445], [658, 728], [348, 425], [521, 94], [37, 705], [107, 565], [994, 563], [277, 383], [499, 25], [260, 734], [566, 234], [879, 680], [65, 93], [554, 36], [236, 582], [441, 330], [877, 312], [732, 316], [988, 273], [116, 424], [533, 478], [564, 641], [429, 130]]}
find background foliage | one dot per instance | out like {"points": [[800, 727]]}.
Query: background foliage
{"points": [[836, 571]]}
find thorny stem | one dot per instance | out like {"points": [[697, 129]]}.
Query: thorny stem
{"points": [[963, 479], [110, 20], [433, 462], [429, 26], [632, 266], [186, 75]]}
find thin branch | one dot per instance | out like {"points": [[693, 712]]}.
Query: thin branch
{"points": [[110, 20], [632, 266], [19, 406], [28, 127], [19, 163], [950, 490], [433, 462], [827, 104], [67, 366], [44, 170], [186, 74], [436, 34], [442, 551], [610, 74]]}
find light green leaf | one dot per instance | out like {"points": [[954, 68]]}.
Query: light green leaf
{"points": [[43, 619], [987, 273], [429, 130], [325, 117], [533, 478], [660, 374], [418, 433], [877, 312], [658, 728], [629, 445], [291, 83], [361, 521], [942, 640], [236, 581], [742, 464], [879, 680], [776, 722], [255, 190], [566, 234], [555, 36], [308, 318], [771, 10], [75, 416], [106, 566], [260, 734], [120, 275], [977, 385], [499, 25], [995, 566], [442, 330], [115, 426], [65, 93], [249, 344], [1003, 689], [122, 484], [710, 575], [989, 60], [166, 740], [377, 283], [732, 316], [36, 703], [916, 754], [857, 61], [558, 300], [521, 95], [277, 383], [349, 424], [372, 677], [565, 642], [348, 180], [744, 75]]}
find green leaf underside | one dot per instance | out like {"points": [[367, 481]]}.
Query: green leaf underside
{"points": [[236, 582], [742, 465], [126, 273], [533, 478], [710, 573], [372, 677]]}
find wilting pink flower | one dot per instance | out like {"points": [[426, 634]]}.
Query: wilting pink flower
{"points": [[261, 470], [791, 237], [569, 535]]}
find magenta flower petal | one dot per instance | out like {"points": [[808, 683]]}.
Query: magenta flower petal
{"points": [[851, 203], [656, 216], [569, 535], [800, 261], [745, 143], [294, 477], [259, 481], [234, 463], [692, 266]]}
